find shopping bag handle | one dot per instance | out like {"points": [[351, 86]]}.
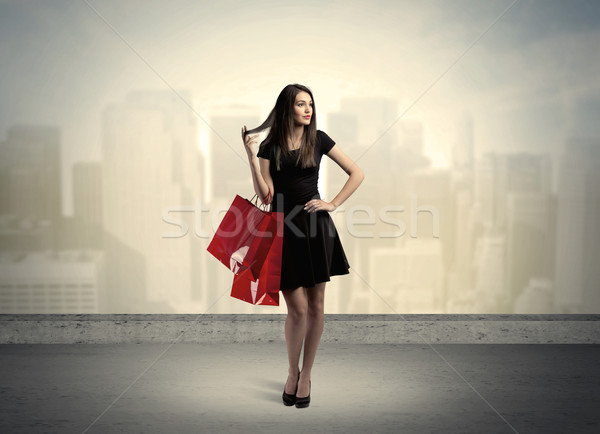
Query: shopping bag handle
{"points": [[264, 202]]}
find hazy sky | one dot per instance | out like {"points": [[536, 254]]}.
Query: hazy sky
{"points": [[529, 82]]}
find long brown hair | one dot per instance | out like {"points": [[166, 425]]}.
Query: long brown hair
{"points": [[281, 122]]}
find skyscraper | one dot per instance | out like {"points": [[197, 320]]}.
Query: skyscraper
{"points": [[151, 175], [578, 233]]}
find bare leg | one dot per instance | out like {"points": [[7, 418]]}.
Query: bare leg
{"points": [[295, 328], [315, 321]]}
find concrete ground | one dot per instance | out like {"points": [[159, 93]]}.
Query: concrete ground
{"points": [[236, 388]]}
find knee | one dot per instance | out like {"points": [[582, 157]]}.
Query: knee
{"points": [[298, 312], [316, 308]]}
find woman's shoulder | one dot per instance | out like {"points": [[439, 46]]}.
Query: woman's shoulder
{"points": [[324, 141], [322, 135]]}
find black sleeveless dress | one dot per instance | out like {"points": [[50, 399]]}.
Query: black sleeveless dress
{"points": [[311, 251]]}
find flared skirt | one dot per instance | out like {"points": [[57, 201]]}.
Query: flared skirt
{"points": [[312, 251]]}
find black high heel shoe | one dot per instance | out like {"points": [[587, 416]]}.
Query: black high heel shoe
{"points": [[288, 398], [303, 402]]}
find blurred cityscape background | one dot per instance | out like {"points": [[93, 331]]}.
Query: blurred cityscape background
{"points": [[121, 150]]}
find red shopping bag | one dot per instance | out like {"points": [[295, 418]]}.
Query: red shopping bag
{"points": [[244, 237], [265, 291]]}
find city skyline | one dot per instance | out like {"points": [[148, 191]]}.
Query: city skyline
{"points": [[471, 239]]}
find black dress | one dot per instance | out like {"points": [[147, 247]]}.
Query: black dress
{"points": [[311, 251]]}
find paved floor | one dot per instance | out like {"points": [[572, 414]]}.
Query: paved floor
{"points": [[236, 388]]}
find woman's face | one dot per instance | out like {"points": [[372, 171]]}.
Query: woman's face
{"points": [[303, 109]]}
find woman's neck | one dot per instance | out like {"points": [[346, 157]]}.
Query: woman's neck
{"points": [[296, 137]]}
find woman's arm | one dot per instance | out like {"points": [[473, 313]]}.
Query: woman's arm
{"points": [[261, 177], [356, 175]]}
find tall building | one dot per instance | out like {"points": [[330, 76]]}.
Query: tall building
{"points": [[460, 272], [489, 263], [529, 240], [86, 228], [87, 192], [519, 173], [497, 175], [30, 173], [578, 233], [151, 177], [484, 190], [513, 198], [379, 213]]}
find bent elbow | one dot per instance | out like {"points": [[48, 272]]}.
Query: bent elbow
{"points": [[360, 175]]}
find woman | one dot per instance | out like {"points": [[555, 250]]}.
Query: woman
{"points": [[287, 164]]}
